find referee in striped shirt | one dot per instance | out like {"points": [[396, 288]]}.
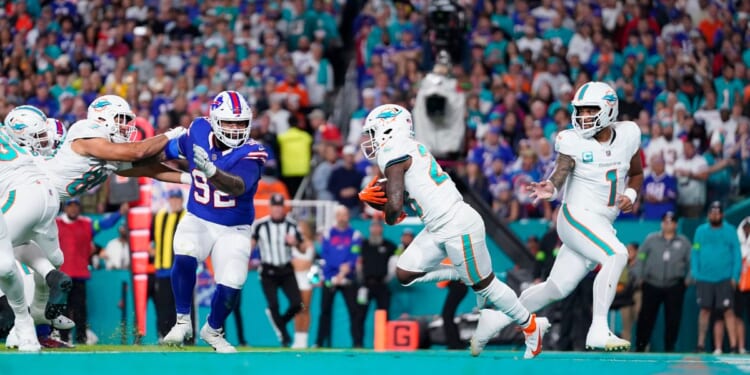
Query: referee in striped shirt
{"points": [[275, 235]]}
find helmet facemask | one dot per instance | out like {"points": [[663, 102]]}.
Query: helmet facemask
{"points": [[39, 142], [371, 146], [233, 133], [124, 128], [231, 119]]}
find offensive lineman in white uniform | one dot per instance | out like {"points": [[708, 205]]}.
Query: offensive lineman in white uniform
{"points": [[452, 227], [92, 149], [31, 130], [102, 144], [599, 165], [30, 204]]}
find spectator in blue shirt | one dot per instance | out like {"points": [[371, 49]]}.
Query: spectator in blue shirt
{"points": [[44, 101], [345, 182], [715, 265], [493, 146], [339, 251], [659, 190]]}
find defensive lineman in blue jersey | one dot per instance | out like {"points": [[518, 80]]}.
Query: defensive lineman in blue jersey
{"points": [[225, 165]]}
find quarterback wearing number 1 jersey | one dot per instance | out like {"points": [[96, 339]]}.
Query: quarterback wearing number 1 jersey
{"points": [[225, 165], [453, 229], [599, 167]]}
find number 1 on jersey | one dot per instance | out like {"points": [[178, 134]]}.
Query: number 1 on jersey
{"points": [[611, 176]]}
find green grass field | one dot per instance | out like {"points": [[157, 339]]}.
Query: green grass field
{"points": [[116, 360]]}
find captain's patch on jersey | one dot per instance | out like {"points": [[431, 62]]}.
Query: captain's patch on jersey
{"points": [[587, 157]]}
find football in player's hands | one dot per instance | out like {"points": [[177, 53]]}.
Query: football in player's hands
{"points": [[382, 184], [374, 194]]}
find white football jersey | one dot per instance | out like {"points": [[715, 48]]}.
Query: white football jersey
{"points": [[18, 167], [600, 170], [73, 174], [430, 192]]}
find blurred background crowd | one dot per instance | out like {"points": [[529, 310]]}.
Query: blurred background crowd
{"points": [[679, 68]]}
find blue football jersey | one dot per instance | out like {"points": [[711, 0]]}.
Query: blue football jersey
{"points": [[206, 201]]}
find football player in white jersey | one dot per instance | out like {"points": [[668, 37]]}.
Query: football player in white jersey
{"points": [[452, 228], [93, 149], [599, 166], [27, 128], [30, 204], [102, 144]]}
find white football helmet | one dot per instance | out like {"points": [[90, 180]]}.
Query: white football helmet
{"points": [[594, 94], [384, 123], [114, 113], [27, 126], [57, 132], [230, 118]]}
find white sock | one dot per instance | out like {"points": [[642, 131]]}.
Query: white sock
{"points": [[605, 286], [183, 318], [33, 256], [536, 297], [504, 299], [300, 339], [39, 302], [443, 272]]}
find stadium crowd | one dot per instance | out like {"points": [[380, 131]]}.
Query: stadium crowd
{"points": [[679, 69]]}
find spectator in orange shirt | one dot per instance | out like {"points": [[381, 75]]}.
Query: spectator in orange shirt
{"points": [[268, 186], [291, 85], [515, 78], [711, 24]]}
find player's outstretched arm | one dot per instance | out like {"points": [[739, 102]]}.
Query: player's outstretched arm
{"points": [[106, 150], [548, 189], [395, 188], [159, 171], [227, 182], [563, 166], [635, 181]]}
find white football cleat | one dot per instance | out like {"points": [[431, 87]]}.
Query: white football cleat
{"points": [[535, 335], [215, 338], [489, 325], [605, 340], [62, 322], [181, 331], [11, 342], [26, 335]]}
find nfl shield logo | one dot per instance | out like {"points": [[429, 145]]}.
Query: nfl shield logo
{"points": [[587, 157], [608, 153]]}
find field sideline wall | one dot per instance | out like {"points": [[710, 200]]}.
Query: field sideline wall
{"points": [[104, 297]]}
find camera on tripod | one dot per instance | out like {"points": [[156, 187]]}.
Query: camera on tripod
{"points": [[446, 22]]}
